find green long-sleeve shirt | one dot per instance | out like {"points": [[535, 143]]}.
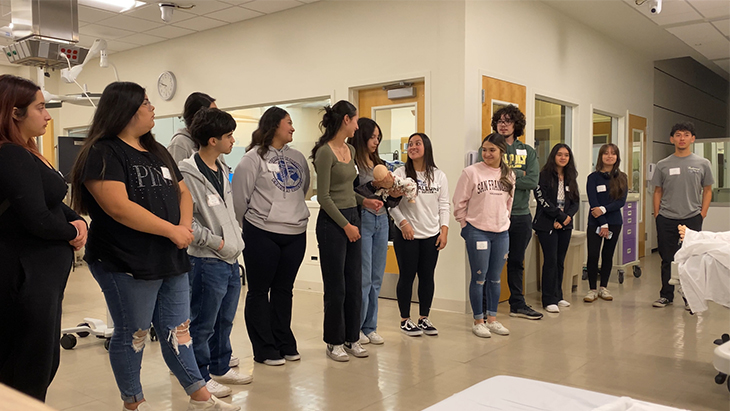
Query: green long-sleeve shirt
{"points": [[335, 189]]}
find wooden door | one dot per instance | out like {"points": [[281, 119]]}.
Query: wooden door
{"points": [[495, 95], [48, 144], [637, 131]]}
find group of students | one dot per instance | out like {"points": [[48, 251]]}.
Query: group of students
{"points": [[168, 227]]}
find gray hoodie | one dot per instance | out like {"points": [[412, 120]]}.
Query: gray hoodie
{"points": [[270, 192], [213, 218], [182, 147]]}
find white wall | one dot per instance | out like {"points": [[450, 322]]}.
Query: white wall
{"points": [[327, 48]]}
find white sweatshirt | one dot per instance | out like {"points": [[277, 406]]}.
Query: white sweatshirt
{"points": [[430, 211]]}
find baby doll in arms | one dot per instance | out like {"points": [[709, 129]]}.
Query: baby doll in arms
{"points": [[386, 182]]}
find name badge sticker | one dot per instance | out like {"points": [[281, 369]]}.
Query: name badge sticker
{"points": [[166, 173], [482, 245], [674, 171], [601, 188], [521, 152], [213, 200], [273, 167]]}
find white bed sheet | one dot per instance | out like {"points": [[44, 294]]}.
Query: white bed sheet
{"points": [[505, 393]]}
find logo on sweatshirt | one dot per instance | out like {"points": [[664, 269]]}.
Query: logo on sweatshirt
{"points": [[290, 176]]}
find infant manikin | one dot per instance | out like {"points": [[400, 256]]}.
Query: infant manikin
{"points": [[385, 181]]}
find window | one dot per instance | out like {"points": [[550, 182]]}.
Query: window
{"points": [[553, 125], [715, 151], [604, 132]]}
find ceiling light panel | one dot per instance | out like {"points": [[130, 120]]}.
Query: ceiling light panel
{"points": [[116, 6]]}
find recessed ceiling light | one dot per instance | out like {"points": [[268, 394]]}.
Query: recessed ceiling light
{"points": [[117, 6]]}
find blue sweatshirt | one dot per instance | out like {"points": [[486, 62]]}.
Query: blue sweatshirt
{"points": [[598, 189]]}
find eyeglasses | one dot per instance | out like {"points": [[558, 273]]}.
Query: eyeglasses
{"points": [[505, 122], [147, 103]]}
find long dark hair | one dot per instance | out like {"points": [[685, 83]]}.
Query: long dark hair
{"points": [[427, 159], [570, 174], [332, 121], [18, 93], [365, 130], [505, 172], [264, 135], [619, 183], [117, 107], [193, 103]]}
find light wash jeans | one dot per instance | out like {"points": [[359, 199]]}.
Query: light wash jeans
{"points": [[374, 234], [487, 254], [133, 305]]}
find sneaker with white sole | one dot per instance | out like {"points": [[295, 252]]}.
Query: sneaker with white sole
{"points": [[375, 338], [497, 328], [337, 352], [481, 330], [217, 389], [213, 404], [563, 303], [233, 377], [364, 339], [591, 296], [552, 308], [274, 362], [525, 312], [234, 362], [143, 406], [604, 294], [427, 326], [292, 357], [409, 328], [661, 303], [356, 349]]}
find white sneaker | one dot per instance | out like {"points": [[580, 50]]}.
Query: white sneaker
{"points": [[141, 407], [481, 330], [563, 303], [337, 353], [233, 377], [375, 338], [552, 308], [356, 349], [497, 328], [293, 357], [213, 404], [234, 362], [591, 296], [277, 362], [605, 294], [364, 339], [217, 389]]}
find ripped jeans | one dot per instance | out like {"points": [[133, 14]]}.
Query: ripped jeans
{"points": [[133, 305], [487, 254]]}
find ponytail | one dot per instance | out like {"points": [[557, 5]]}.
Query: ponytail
{"points": [[332, 121]]}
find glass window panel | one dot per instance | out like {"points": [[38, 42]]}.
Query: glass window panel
{"points": [[553, 123], [603, 130], [397, 123]]}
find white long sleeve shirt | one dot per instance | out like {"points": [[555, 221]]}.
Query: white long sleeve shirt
{"points": [[431, 209]]}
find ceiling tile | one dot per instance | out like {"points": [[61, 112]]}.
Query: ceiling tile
{"points": [[271, 6], [200, 23], [132, 23], [723, 63], [203, 7], [711, 9], [673, 12], [152, 13], [86, 40], [723, 26], [116, 45], [92, 15], [714, 49], [142, 39], [169, 32], [697, 33], [234, 14], [107, 33], [309, 1], [237, 2]]}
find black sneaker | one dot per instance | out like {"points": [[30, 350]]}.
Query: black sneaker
{"points": [[525, 312], [427, 327], [661, 303], [409, 328]]}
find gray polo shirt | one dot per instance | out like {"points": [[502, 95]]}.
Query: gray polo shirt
{"points": [[682, 180]]}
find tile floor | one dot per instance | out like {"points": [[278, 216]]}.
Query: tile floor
{"points": [[624, 347]]}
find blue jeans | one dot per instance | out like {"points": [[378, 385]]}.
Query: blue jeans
{"points": [[374, 234], [487, 254], [133, 305], [215, 287]]}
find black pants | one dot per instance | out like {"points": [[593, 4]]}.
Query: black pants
{"points": [[31, 295], [594, 249], [668, 244], [341, 264], [520, 232], [272, 262], [554, 245], [417, 256]]}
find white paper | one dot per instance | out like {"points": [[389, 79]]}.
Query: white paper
{"points": [[482, 245], [674, 171], [273, 167], [601, 188], [213, 200], [166, 173], [521, 152]]}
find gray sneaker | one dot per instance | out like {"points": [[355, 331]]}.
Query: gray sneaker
{"points": [[525, 312], [661, 303], [356, 349], [337, 353]]}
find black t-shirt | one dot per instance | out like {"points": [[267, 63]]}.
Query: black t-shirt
{"points": [[215, 177], [149, 184]]}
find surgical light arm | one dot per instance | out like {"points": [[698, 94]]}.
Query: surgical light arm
{"points": [[69, 75]]}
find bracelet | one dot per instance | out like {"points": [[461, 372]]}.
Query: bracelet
{"points": [[403, 223]]}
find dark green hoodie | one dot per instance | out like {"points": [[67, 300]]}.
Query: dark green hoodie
{"points": [[523, 161]]}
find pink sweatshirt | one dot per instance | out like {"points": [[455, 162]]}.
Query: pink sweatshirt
{"points": [[480, 201]]}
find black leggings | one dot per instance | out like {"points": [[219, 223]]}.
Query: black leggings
{"points": [[417, 256], [594, 249]]}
